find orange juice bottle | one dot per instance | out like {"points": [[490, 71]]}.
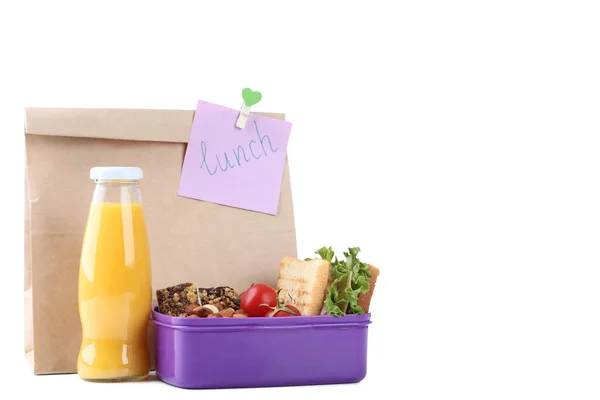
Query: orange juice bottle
{"points": [[115, 280]]}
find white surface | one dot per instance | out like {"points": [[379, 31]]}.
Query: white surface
{"points": [[456, 142], [119, 173]]}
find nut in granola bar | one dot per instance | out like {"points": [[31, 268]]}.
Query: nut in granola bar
{"points": [[221, 297]]}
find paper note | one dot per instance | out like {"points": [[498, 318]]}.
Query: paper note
{"points": [[240, 168]]}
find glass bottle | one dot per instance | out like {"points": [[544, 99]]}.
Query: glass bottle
{"points": [[115, 280]]}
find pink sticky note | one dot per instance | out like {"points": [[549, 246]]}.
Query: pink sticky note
{"points": [[235, 167]]}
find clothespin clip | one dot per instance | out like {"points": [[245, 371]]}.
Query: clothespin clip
{"points": [[250, 99]]}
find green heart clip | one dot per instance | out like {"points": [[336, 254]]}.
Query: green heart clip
{"points": [[250, 97]]}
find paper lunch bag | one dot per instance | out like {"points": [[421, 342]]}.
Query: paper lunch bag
{"points": [[190, 240]]}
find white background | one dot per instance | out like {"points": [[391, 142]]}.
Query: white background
{"points": [[456, 142]]}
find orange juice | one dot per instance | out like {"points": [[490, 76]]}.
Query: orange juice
{"points": [[115, 293]]}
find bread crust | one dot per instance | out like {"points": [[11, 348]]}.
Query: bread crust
{"points": [[364, 299]]}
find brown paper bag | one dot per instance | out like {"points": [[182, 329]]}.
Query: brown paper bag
{"points": [[190, 240]]}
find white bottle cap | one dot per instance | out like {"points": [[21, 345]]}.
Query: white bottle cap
{"points": [[117, 173]]}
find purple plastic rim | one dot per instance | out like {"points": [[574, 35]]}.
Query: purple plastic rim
{"points": [[261, 322]]}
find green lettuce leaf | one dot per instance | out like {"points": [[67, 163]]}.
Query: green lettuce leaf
{"points": [[349, 279], [326, 253], [332, 302], [362, 283]]}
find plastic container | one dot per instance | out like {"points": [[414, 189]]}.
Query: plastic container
{"points": [[207, 353]]}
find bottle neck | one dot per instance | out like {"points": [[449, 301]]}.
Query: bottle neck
{"points": [[117, 191]]}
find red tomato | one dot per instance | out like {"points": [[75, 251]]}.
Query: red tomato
{"points": [[254, 299], [282, 312], [241, 296]]}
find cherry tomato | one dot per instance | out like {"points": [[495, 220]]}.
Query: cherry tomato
{"points": [[284, 311], [241, 296], [254, 299]]}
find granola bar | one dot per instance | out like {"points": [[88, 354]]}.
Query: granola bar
{"points": [[172, 300], [223, 296]]}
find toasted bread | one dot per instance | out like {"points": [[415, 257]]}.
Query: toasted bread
{"points": [[364, 299], [305, 282]]}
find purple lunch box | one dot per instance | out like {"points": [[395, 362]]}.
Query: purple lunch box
{"points": [[202, 353]]}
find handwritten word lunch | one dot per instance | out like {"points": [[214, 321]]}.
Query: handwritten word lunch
{"points": [[256, 150]]}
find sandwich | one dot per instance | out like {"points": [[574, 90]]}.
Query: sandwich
{"points": [[328, 286]]}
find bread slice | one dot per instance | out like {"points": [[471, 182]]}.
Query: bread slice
{"points": [[305, 282], [364, 299]]}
